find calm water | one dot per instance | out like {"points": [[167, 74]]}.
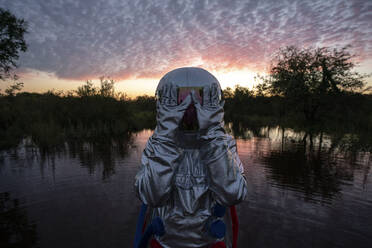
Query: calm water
{"points": [[314, 194]]}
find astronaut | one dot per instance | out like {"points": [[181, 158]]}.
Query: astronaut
{"points": [[190, 165]]}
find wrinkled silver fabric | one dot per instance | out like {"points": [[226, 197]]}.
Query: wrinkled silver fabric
{"points": [[183, 174]]}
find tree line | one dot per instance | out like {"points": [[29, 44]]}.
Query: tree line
{"points": [[308, 89], [51, 118], [98, 114], [311, 89]]}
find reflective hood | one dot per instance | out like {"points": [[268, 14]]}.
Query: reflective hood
{"points": [[167, 93], [189, 77]]}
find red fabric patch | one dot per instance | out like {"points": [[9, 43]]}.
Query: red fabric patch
{"points": [[220, 244], [155, 244], [235, 226]]}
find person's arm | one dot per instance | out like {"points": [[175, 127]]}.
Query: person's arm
{"points": [[226, 173], [154, 180], [160, 157], [218, 152]]}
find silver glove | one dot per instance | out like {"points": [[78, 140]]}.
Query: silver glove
{"points": [[161, 156], [210, 114], [218, 151], [169, 114]]}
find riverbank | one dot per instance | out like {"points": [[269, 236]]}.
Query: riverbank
{"points": [[51, 119]]}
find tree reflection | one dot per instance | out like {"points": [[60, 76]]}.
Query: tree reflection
{"points": [[316, 164], [16, 231], [92, 154], [306, 172]]}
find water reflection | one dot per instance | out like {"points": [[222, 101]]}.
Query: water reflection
{"points": [[311, 174], [16, 230], [305, 189], [315, 165], [91, 154]]}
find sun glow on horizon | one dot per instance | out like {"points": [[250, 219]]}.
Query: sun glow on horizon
{"points": [[231, 78], [138, 86], [37, 81]]}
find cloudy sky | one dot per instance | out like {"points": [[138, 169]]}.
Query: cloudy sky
{"points": [[137, 41]]}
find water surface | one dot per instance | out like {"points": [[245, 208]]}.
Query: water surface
{"points": [[301, 194]]}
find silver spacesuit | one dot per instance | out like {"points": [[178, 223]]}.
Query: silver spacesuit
{"points": [[185, 173]]}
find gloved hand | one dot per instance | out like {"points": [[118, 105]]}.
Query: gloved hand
{"points": [[210, 115], [169, 114], [161, 156]]}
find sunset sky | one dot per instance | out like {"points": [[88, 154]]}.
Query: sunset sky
{"points": [[138, 41]]}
